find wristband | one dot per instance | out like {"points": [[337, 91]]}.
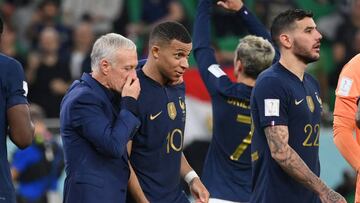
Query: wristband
{"points": [[190, 176]]}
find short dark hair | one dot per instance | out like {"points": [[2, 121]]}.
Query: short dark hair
{"points": [[285, 21], [167, 31], [1, 26]]}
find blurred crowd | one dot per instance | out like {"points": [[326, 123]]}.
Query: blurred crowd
{"points": [[53, 38]]}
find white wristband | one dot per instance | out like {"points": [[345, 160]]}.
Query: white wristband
{"points": [[190, 176]]}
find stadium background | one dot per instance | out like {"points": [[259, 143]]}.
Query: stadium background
{"points": [[52, 39]]}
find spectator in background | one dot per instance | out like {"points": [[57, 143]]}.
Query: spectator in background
{"points": [[79, 56], [151, 13], [343, 46], [47, 73], [37, 168], [100, 13], [47, 15], [9, 45], [266, 10]]}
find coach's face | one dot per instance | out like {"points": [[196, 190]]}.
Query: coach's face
{"points": [[306, 40], [173, 59], [122, 66]]}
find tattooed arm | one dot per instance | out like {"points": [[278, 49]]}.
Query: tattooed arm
{"points": [[277, 138]]}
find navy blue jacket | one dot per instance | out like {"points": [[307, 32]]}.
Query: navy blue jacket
{"points": [[95, 130]]}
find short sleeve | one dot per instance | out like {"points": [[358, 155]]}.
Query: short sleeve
{"points": [[15, 85], [347, 91], [271, 99]]}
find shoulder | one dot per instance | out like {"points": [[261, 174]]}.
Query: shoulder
{"points": [[81, 93], [351, 67], [311, 79], [9, 64], [269, 77]]}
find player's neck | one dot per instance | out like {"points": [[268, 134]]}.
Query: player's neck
{"points": [[151, 71], [293, 64], [245, 80]]}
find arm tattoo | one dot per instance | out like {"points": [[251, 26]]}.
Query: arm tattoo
{"points": [[277, 138]]}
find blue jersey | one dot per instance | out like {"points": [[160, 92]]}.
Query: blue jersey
{"points": [[13, 92], [281, 98], [229, 155], [158, 145]]}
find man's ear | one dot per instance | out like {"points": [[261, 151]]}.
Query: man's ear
{"points": [[285, 40], [105, 66], [155, 51], [237, 68]]}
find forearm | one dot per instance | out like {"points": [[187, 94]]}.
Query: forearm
{"points": [[294, 166], [290, 161], [185, 167], [201, 35], [345, 142], [135, 188]]}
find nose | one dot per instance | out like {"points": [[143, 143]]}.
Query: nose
{"points": [[319, 36], [184, 63]]}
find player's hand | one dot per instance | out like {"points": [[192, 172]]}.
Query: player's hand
{"points": [[198, 191], [232, 5], [330, 196], [131, 87]]}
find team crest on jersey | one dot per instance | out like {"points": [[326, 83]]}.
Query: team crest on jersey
{"points": [[182, 104], [171, 110], [318, 99], [310, 103]]}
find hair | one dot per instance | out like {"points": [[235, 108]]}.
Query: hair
{"points": [[167, 31], [255, 54], [106, 46], [286, 21]]}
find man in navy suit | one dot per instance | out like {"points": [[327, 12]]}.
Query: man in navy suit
{"points": [[98, 117]]}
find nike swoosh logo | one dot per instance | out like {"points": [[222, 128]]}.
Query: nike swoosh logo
{"points": [[298, 102], [152, 117]]}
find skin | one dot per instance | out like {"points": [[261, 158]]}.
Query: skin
{"points": [[21, 128], [120, 75]]}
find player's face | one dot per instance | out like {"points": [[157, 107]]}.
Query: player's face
{"points": [[123, 65], [173, 60], [306, 44]]}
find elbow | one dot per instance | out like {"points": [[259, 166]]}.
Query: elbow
{"points": [[280, 155], [23, 139]]}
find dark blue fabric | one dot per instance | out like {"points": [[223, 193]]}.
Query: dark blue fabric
{"points": [[227, 168], [299, 109], [157, 147], [12, 83], [94, 136]]}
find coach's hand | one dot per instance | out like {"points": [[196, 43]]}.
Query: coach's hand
{"points": [[330, 196], [198, 191], [131, 87]]}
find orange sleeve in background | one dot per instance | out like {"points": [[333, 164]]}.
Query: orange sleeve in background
{"points": [[345, 142]]}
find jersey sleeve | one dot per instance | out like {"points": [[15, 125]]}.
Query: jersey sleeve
{"points": [[215, 79], [347, 91], [15, 86], [272, 103], [255, 27]]}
